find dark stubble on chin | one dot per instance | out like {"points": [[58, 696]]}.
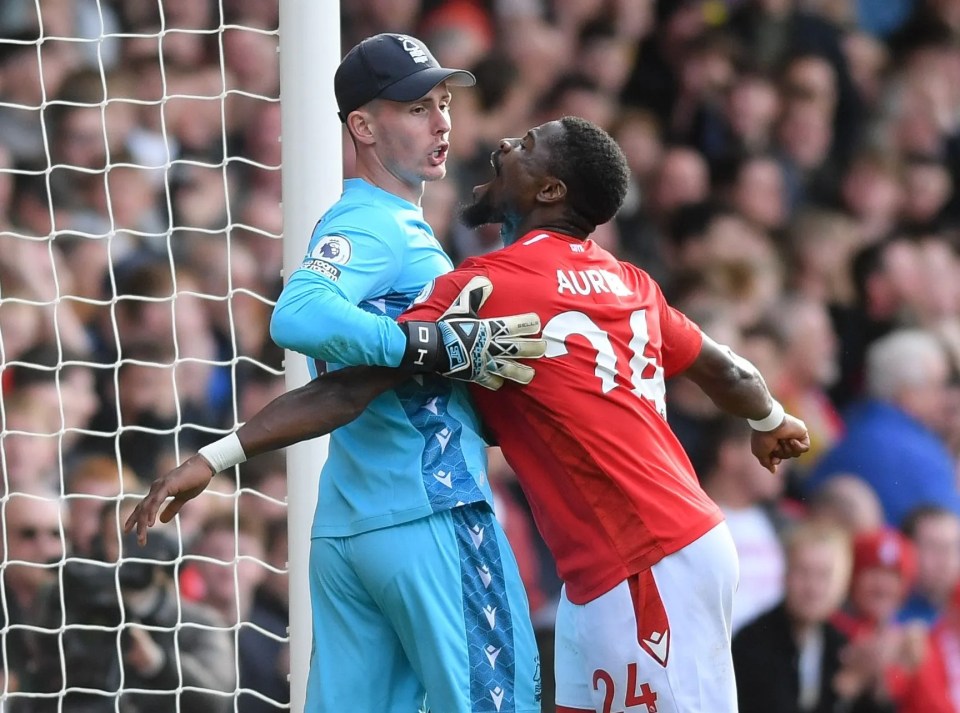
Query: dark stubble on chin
{"points": [[473, 215]]}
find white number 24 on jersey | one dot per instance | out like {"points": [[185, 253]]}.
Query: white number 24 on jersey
{"points": [[652, 387]]}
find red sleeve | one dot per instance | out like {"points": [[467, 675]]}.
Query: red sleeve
{"points": [[682, 339], [439, 294]]}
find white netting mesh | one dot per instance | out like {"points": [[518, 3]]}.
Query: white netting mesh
{"points": [[139, 260]]}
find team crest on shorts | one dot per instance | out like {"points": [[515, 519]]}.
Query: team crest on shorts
{"points": [[332, 248]]}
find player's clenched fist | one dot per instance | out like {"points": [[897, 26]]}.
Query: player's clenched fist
{"points": [[461, 345], [789, 440]]}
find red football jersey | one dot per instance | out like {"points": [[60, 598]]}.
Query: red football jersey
{"points": [[610, 487]]}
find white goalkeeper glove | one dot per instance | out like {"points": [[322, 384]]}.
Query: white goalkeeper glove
{"points": [[461, 345]]}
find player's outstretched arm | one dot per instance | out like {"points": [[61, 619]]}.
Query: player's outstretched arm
{"points": [[315, 409], [737, 387]]}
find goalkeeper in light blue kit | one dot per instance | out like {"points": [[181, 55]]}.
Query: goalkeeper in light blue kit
{"points": [[417, 600]]}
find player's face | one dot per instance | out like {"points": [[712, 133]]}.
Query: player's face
{"points": [[413, 137], [520, 167]]}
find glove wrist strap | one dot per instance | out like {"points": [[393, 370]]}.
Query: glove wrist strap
{"points": [[422, 353]]}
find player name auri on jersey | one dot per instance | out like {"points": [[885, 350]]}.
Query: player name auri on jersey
{"points": [[585, 282]]}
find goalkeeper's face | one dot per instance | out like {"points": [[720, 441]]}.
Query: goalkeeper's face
{"points": [[520, 168], [413, 138]]}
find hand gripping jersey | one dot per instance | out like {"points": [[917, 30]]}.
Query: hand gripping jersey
{"points": [[610, 486]]}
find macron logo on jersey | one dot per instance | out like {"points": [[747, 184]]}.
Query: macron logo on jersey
{"points": [[585, 282], [658, 646], [497, 695]]}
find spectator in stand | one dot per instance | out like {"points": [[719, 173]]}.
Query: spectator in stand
{"points": [[752, 107], [149, 651], [62, 381], [263, 494], [935, 686], [30, 455], [869, 60], [748, 495], [654, 82], [681, 179], [846, 500], [266, 660], [708, 67], [607, 54], [776, 31], [756, 190], [32, 548], [928, 187], [935, 533], [577, 95], [935, 303], [737, 263], [820, 247], [809, 366], [229, 269], [789, 660], [229, 555], [28, 74], [35, 277], [92, 482], [884, 277], [810, 79], [892, 438], [884, 568], [872, 192], [804, 136]]}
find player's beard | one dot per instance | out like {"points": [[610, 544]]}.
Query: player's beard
{"points": [[480, 212]]}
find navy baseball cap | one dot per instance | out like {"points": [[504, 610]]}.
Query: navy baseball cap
{"points": [[390, 66]]}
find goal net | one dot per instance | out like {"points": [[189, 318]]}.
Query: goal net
{"points": [[140, 256]]}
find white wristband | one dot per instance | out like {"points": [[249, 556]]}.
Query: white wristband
{"points": [[772, 421], [223, 454]]}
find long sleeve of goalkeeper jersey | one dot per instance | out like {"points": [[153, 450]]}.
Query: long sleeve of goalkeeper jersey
{"points": [[317, 313]]}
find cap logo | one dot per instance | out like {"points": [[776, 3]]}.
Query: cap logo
{"points": [[413, 49]]}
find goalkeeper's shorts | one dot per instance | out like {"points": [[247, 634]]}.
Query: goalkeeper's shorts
{"points": [[428, 615]]}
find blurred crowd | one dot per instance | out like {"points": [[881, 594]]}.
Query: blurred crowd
{"points": [[794, 164], [140, 256]]}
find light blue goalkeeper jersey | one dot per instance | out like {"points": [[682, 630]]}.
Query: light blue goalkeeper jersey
{"points": [[416, 449]]}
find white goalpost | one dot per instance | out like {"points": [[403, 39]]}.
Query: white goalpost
{"points": [[312, 178], [142, 237]]}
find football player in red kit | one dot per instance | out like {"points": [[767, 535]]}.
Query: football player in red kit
{"points": [[648, 565]]}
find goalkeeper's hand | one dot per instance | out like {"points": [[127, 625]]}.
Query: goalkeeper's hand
{"points": [[461, 345]]}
